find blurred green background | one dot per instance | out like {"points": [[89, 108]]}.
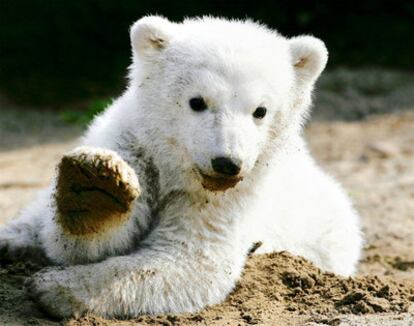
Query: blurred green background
{"points": [[56, 53]]}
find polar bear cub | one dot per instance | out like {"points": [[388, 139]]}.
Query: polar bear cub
{"points": [[200, 159]]}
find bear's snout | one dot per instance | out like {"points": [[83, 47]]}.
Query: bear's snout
{"points": [[226, 166], [227, 174]]}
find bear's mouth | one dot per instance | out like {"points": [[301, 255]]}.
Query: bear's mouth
{"points": [[219, 183]]}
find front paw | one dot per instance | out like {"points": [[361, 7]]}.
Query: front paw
{"points": [[56, 293], [95, 190]]}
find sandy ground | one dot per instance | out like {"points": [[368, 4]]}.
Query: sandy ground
{"points": [[374, 159]]}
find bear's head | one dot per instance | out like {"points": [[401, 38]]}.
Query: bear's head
{"points": [[224, 91]]}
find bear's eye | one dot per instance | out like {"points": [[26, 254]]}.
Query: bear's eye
{"points": [[197, 104], [260, 112]]}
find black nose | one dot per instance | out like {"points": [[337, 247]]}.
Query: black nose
{"points": [[224, 165]]}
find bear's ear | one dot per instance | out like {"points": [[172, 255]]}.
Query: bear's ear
{"points": [[309, 56], [151, 34]]}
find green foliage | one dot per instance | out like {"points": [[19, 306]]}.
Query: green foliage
{"points": [[83, 118]]}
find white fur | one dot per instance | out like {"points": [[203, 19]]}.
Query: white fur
{"points": [[192, 242]]}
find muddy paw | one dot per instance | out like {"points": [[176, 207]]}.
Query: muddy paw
{"points": [[95, 190]]}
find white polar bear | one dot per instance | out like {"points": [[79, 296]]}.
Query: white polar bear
{"points": [[199, 159]]}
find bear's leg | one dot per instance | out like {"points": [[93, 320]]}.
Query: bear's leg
{"points": [[164, 278], [333, 237], [84, 216], [312, 217], [93, 201], [340, 246]]}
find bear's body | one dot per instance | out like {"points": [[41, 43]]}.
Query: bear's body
{"points": [[182, 244]]}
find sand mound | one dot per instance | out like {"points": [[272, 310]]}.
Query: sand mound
{"points": [[280, 286]]}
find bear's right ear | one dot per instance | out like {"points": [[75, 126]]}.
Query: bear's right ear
{"points": [[150, 35], [309, 57]]}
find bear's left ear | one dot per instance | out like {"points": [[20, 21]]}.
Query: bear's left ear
{"points": [[309, 56], [151, 34]]}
